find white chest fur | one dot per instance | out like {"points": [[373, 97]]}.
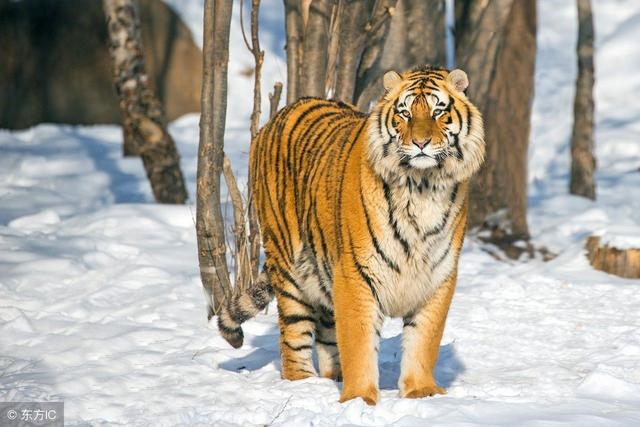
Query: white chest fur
{"points": [[414, 233]]}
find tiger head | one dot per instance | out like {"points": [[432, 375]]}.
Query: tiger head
{"points": [[424, 126]]}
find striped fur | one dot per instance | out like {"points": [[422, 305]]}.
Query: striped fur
{"points": [[363, 216]]}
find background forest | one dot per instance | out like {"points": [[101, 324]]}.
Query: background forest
{"points": [[101, 300]]}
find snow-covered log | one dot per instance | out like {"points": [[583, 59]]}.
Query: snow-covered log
{"points": [[615, 254]]}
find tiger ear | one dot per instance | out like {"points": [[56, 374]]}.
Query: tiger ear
{"points": [[458, 79], [390, 80]]}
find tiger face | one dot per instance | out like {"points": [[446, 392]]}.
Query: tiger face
{"points": [[426, 126]]}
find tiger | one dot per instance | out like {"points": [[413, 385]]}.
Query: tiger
{"points": [[363, 216]]}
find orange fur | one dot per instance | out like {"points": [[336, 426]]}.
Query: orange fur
{"points": [[363, 216]]}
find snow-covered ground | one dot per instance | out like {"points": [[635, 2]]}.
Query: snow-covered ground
{"points": [[101, 305]]}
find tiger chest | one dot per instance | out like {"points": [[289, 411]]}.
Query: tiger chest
{"points": [[416, 253]]}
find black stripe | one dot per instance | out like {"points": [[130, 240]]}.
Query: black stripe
{"points": [[443, 222], [327, 323], [237, 313], [392, 221], [298, 347], [376, 244], [363, 274], [228, 330], [296, 318], [331, 343], [442, 257], [339, 195], [286, 294]]}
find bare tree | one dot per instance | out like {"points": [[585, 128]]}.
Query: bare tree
{"points": [[370, 70], [583, 161], [415, 37], [352, 18], [496, 46], [313, 68], [294, 30], [144, 123], [209, 221]]}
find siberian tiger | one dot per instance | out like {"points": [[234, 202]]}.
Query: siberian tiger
{"points": [[363, 216]]}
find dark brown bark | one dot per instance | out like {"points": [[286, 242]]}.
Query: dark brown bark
{"points": [[583, 162], [353, 17], [313, 68], [209, 221], [369, 75], [399, 46], [496, 46], [294, 30], [144, 123]]}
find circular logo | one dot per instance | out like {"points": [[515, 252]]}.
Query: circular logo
{"points": [[11, 414]]}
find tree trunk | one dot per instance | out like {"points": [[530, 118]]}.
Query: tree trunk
{"points": [[316, 41], [209, 221], [144, 123], [293, 25], [583, 161], [397, 45], [496, 46], [353, 19]]}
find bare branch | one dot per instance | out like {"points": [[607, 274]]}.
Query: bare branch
{"points": [[258, 56], [242, 268], [274, 99], [244, 33]]}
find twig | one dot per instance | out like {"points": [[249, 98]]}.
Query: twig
{"points": [[243, 273], [280, 411], [258, 56], [274, 99], [244, 34]]}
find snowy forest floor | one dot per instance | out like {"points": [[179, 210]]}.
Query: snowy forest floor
{"points": [[101, 304]]}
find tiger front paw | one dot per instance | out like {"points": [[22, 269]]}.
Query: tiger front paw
{"points": [[412, 389], [369, 395]]}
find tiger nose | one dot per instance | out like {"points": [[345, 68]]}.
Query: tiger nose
{"points": [[421, 144]]}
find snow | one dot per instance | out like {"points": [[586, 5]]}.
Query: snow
{"points": [[101, 304]]}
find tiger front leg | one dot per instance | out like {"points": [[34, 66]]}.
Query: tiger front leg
{"points": [[358, 324], [421, 338]]}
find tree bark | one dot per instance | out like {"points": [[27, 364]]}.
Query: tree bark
{"points": [[209, 221], [254, 227], [316, 41], [144, 123], [621, 262], [496, 46], [398, 45], [352, 21], [583, 161], [294, 30], [370, 71]]}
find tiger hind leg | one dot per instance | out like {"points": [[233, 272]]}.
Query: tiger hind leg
{"points": [[296, 319], [327, 346]]}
